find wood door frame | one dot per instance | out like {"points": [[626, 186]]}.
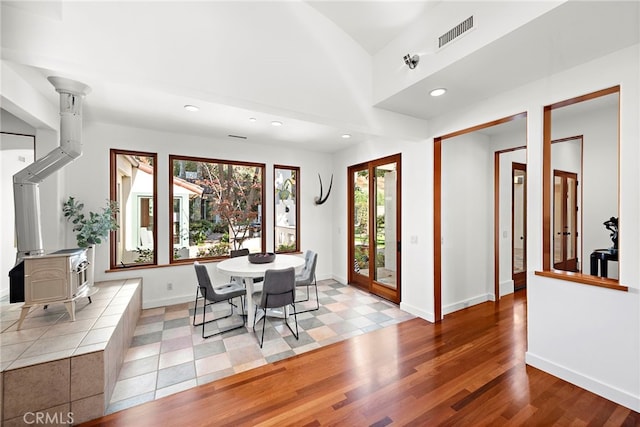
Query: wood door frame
{"points": [[569, 175], [373, 286], [437, 209]]}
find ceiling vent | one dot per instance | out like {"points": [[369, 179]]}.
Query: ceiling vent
{"points": [[455, 32], [237, 136]]}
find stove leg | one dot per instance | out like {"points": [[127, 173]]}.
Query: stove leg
{"points": [[23, 315], [71, 309]]}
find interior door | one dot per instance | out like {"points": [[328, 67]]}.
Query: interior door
{"points": [[374, 213], [519, 225], [565, 219]]}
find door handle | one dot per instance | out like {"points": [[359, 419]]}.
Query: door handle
{"points": [[399, 246]]}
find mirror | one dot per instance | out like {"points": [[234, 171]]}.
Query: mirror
{"points": [[581, 136]]}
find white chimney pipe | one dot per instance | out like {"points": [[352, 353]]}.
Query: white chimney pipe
{"points": [[25, 183]]}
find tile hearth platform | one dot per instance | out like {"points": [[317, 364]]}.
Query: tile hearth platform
{"points": [[57, 366]]}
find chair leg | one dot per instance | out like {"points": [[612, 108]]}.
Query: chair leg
{"points": [[195, 308], [295, 319], [264, 326], [315, 285], [204, 321]]}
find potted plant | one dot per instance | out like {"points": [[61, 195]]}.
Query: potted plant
{"points": [[90, 230]]}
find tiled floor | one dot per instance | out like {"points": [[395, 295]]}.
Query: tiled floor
{"points": [[168, 354]]}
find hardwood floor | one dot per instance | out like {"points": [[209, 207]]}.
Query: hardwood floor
{"points": [[468, 370]]}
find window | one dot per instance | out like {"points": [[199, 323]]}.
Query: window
{"points": [[581, 197], [286, 180], [134, 188], [217, 207]]}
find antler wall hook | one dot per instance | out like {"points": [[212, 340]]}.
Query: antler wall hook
{"points": [[320, 200]]}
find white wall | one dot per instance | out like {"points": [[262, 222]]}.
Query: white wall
{"points": [[587, 335], [467, 218], [16, 153], [93, 166], [417, 202]]}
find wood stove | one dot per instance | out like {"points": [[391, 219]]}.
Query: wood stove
{"points": [[60, 276]]}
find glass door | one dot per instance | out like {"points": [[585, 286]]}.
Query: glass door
{"points": [[374, 242], [359, 229]]}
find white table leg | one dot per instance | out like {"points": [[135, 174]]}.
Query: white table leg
{"points": [[248, 284]]}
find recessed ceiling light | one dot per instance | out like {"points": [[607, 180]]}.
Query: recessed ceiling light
{"points": [[252, 119], [438, 92], [191, 108], [346, 136], [276, 123]]}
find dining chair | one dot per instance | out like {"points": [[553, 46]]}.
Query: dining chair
{"points": [[213, 295], [307, 278], [278, 290], [242, 252]]}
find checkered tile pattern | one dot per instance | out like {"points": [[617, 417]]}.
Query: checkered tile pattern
{"points": [[168, 354]]}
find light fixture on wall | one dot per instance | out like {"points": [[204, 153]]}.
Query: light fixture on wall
{"points": [[411, 61]]}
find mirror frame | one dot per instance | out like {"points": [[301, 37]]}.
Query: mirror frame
{"points": [[546, 197]]}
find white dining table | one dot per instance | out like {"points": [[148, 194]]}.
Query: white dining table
{"points": [[241, 267]]}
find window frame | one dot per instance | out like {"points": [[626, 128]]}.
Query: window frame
{"points": [[547, 270], [177, 157], [296, 170], [113, 195]]}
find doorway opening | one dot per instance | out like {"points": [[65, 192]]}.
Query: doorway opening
{"points": [[374, 226], [519, 225], [501, 142], [565, 220]]}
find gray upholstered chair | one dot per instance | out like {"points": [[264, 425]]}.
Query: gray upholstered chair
{"points": [[278, 290], [212, 295], [239, 252], [307, 278], [242, 252]]}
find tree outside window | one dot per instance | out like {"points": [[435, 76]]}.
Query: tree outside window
{"points": [[286, 182], [217, 207]]}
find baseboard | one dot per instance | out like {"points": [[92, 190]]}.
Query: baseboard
{"points": [[615, 395], [338, 279], [506, 287], [430, 317], [466, 303], [163, 302]]}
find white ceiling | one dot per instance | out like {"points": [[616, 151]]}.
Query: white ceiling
{"points": [[549, 44], [373, 24]]}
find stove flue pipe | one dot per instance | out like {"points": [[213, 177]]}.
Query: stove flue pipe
{"points": [[26, 182]]}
